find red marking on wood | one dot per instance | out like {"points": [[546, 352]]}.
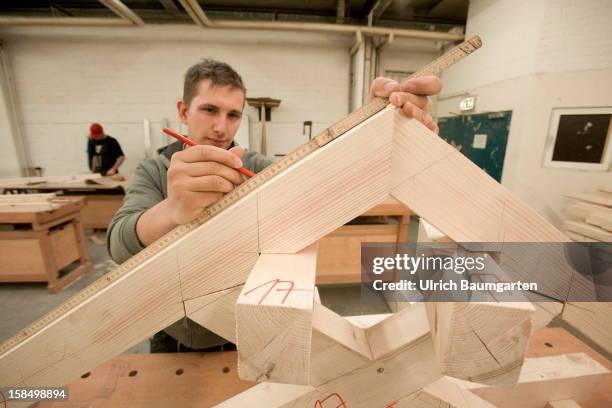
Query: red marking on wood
{"points": [[275, 282], [338, 398], [392, 405]]}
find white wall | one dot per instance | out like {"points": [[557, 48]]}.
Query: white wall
{"points": [[405, 54], [537, 55], [68, 78], [9, 164]]}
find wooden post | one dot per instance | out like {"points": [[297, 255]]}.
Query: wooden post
{"points": [[274, 318]]}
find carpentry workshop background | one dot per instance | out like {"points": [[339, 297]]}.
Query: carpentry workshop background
{"points": [[526, 97]]}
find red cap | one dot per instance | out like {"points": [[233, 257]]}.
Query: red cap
{"points": [[96, 130]]}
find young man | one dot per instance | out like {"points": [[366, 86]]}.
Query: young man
{"points": [[103, 151], [172, 188]]}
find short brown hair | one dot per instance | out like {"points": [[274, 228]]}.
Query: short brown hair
{"points": [[219, 73]]}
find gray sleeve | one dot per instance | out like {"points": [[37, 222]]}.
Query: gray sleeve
{"points": [[256, 162], [143, 193]]}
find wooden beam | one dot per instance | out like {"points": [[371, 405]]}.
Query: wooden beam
{"points": [[338, 346], [379, 9], [64, 21], [605, 190], [545, 309], [591, 198], [193, 8], [568, 376], [221, 253], [146, 300], [441, 185], [123, 11], [443, 393], [483, 339], [593, 319], [568, 403], [331, 186], [379, 383], [397, 330], [27, 198], [600, 221], [216, 312], [587, 230], [274, 318], [481, 342]]}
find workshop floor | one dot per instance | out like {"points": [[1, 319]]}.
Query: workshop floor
{"points": [[23, 303]]}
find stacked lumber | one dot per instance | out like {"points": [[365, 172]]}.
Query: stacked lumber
{"points": [[589, 216], [589, 219], [30, 202]]}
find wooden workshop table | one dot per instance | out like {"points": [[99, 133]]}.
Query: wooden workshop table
{"points": [[39, 240], [103, 196], [339, 254], [204, 379]]}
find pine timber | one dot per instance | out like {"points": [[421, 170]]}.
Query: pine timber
{"points": [[274, 318], [606, 191], [568, 403], [481, 342], [338, 346], [121, 315], [441, 185], [589, 231], [543, 379], [591, 198], [483, 339], [379, 383], [600, 221], [222, 252], [545, 309], [443, 393], [581, 210], [216, 312], [593, 319], [348, 177]]}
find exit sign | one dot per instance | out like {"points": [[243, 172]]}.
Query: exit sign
{"points": [[468, 103]]}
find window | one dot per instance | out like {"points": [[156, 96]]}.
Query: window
{"points": [[579, 138]]}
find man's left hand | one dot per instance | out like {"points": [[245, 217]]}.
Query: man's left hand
{"points": [[412, 96], [111, 172]]}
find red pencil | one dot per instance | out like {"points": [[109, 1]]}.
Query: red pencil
{"points": [[190, 142]]}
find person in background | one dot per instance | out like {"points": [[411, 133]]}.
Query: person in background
{"points": [[103, 151]]}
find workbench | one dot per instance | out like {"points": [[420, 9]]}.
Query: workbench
{"points": [[103, 196], [204, 379], [40, 239], [339, 254]]}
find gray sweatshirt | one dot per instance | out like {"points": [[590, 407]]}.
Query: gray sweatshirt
{"points": [[149, 186]]}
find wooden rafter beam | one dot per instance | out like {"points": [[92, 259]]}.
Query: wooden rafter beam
{"points": [[64, 21], [340, 11], [197, 14], [123, 11], [170, 6]]}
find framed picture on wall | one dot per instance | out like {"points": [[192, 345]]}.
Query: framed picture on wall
{"points": [[580, 139]]}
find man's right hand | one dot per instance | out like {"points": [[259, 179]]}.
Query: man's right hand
{"points": [[199, 176]]}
